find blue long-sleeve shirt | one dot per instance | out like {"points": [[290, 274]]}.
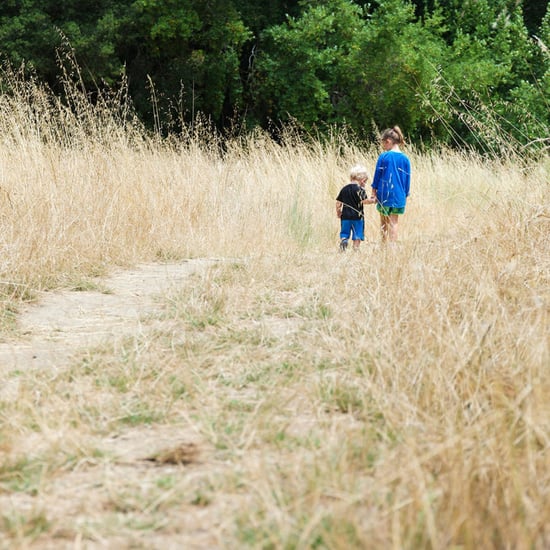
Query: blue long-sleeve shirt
{"points": [[392, 179]]}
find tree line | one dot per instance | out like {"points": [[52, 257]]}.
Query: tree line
{"points": [[453, 71]]}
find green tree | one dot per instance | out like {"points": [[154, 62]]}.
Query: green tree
{"points": [[527, 110], [338, 64], [33, 31], [300, 73], [28, 35], [437, 67], [488, 75], [398, 58], [188, 49]]}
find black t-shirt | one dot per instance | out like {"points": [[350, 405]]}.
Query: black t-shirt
{"points": [[351, 196]]}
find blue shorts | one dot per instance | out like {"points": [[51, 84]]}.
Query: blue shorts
{"points": [[355, 228]]}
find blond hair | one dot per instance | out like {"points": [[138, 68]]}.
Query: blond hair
{"points": [[358, 171]]}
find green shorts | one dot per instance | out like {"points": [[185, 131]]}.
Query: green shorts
{"points": [[387, 210]]}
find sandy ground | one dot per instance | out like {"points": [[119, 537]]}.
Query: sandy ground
{"points": [[59, 322]]}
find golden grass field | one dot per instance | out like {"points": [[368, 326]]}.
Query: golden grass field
{"points": [[293, 397]]}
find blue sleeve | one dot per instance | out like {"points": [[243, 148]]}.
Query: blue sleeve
{"points": [[408, 178], [377, 173]]}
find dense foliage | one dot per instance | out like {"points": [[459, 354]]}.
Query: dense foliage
{"points": [[457, 71]]}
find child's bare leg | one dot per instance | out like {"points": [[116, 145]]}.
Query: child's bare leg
{"points": [[356, 244], [384, 223], [393, 221]]}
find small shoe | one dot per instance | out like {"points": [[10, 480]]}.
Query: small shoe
{"points": [[343, 245]]}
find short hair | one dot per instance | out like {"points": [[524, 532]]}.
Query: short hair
{"points": [[358, 171]]}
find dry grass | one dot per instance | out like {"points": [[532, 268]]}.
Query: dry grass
{"points": [[393, 398]]}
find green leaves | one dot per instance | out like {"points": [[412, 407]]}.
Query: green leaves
{"points": [[301, 72], [166, 21], [320, 63]]}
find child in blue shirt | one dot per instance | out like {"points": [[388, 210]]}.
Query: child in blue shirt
{"points": [[391, 182]]}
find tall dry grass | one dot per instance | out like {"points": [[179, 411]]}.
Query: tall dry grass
{"points": [[393, 398], [81, 189]]}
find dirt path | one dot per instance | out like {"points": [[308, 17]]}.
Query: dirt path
{"points": [[60, 322], [53, 328]]}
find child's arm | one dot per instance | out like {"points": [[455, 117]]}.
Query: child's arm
{"points": [[339, 207], [371, 199]]}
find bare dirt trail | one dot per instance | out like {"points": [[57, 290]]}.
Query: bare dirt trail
{"points": [[59, 322], [52, 329]]}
